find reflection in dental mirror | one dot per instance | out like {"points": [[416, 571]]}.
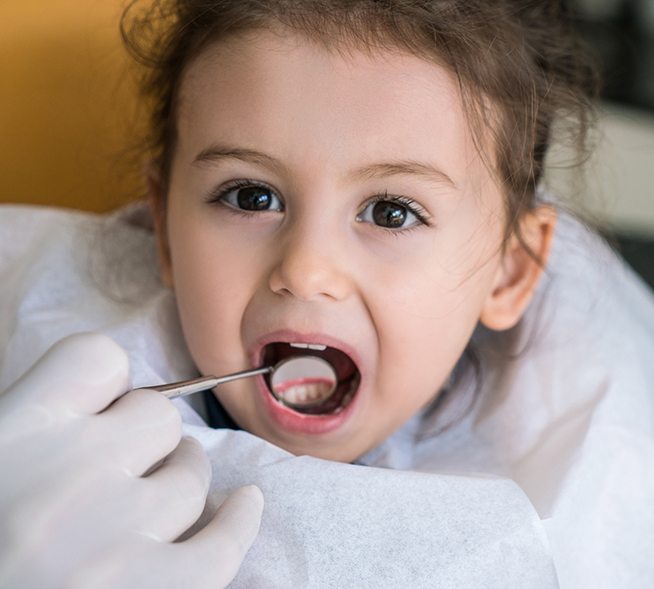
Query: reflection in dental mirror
{"points": [[303, 381]]}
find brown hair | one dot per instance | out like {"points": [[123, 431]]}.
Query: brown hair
{"points": [[518, 64]]}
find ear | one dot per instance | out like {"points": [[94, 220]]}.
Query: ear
{"points": [[157, 202], [519, 273]]}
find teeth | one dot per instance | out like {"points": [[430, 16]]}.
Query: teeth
{"points": [[306, 393], [318, 347]]}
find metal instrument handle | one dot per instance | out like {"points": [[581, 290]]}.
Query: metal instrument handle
{"points": [[196, 385]]}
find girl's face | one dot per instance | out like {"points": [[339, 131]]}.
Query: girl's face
{"points": [[334, 199]]}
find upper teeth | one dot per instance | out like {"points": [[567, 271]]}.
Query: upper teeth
{"points": [[303, 346]]}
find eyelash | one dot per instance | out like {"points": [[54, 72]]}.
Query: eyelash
{"points": [[412, 206]]}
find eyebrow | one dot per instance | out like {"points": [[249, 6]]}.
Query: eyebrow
{"points": [[216, 153], [405, 168]]}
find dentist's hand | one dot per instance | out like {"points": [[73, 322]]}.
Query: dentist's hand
{"points": [[79, 507]]}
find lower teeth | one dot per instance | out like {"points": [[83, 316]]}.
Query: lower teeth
{"points": [[318, 406], [306, 392], [344, 403]]}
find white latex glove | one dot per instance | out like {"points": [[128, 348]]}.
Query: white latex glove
{"points": [[75, 508]]}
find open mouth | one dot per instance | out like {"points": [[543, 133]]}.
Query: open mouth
{"points": [[308, 394]]}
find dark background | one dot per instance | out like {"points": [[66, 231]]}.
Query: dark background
{"points": [[620, 35]]}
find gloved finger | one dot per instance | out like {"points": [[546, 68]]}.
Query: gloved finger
{"points": [[82, 373], [213, 556], [137, 431], [175, 494]]}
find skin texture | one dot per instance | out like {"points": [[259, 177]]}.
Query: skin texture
{"points": [[405, 300]]}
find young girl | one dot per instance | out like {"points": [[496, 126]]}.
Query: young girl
{"points": [[357, 181]]}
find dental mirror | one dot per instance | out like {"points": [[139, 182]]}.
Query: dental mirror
{"points": [[297, 382], [303, 381]]}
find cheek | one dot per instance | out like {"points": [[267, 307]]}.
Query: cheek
{"points": [[440, 278], [418, 351], [427, 335], [213, 284], [427, 313]]}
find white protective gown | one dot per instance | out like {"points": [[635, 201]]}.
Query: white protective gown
{"points": [[543, 477]]}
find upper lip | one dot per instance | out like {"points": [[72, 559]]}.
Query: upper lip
{"points": [[290, 336]]}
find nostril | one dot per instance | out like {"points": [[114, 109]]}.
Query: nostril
{"points": [[282, 291]]}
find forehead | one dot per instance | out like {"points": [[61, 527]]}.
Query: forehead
{"points": [[277, 90], [267, 53]]}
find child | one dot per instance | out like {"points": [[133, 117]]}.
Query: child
{"points": [[360, 181]]}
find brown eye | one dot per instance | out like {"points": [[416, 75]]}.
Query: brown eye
{"points": [[389, 214], [251, 198], [394, 213], [254, 198]]}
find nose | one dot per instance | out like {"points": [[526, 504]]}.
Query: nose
{"points": [[311, 266]]}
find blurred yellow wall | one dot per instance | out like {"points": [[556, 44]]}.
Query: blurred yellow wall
{"points": [[67, 105]]}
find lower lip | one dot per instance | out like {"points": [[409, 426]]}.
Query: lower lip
{"points": [[298, 423]]}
